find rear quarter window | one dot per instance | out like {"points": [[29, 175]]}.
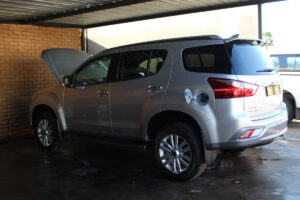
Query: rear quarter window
{"points": [[208, 59]]}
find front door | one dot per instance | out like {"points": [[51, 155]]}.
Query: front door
{"points": [[87, 103]]}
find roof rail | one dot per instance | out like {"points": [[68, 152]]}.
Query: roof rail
{"points": [[202, 37]]}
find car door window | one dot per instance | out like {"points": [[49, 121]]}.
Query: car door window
{"points": [[157, 60], [140, 64], [94, 72], [134, 65]]}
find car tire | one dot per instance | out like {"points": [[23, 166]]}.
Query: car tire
{"points": [[46, 131], [178, 152], [289, 107], [233, 151]]}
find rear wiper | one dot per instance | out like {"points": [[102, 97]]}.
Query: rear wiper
{"points": [[265, 70]]}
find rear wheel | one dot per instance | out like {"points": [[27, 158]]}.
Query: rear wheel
{"points": [[289, 107], [179, 152], [46, 131]]}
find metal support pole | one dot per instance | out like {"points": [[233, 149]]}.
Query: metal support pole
{"points": [[84, 40], [260, 33]]}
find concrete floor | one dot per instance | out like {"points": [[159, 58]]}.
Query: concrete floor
{"points": [[85, 171]]}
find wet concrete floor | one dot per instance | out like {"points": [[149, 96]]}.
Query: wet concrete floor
{"points": [[89, 171]]}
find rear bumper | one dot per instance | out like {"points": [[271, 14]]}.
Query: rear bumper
{"points": [[269, 130]]}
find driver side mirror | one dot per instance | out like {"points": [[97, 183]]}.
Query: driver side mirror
{"points": [[67, 81]]}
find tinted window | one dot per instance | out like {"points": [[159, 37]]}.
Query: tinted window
{"points": [[140, 64], [210, 59], [134, 65], [157, 60], [94, 72], [248, 59]]}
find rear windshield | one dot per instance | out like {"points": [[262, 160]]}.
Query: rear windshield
{"points": [[248, 59]]}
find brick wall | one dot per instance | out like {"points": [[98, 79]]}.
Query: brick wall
{"points": [[22, 71]]}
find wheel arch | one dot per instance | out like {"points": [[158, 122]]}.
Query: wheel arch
{"points": [[48, 101], [41, 108], [160, 119]]}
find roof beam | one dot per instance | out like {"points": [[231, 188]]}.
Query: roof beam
{"points": [[116, 4]]}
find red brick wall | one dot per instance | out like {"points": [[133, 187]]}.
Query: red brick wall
{"points": [[22, 71]]}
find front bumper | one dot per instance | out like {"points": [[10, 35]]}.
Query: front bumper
{"points": [[269, 130]]}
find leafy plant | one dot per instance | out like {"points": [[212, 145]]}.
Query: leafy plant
{"points": [[267, 37]]}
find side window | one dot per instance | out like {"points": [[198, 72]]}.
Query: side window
{"points": [[140, 64], [297, 63], [94, 72], [158, 58], [290, 63], [134, 65], [210, 59], [275, 61]]}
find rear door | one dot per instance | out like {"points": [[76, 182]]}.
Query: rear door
{"points": [[251, 64], [139, 83]]}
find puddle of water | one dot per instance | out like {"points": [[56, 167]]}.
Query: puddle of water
{"points": [[195, 191], [278, 191]]}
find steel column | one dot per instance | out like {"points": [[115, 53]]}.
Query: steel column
{"points": [[260, 26]]}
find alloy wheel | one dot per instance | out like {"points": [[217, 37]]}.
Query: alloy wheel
{"points": [[45, 132], [175, 153]]}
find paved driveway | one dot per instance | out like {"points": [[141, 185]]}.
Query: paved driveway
{"points": [[85, 171]]}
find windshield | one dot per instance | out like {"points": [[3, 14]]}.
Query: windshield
{"points": [[249, 59]]}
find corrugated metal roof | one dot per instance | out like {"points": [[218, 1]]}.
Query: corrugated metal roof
{"points": [[91, 13]]}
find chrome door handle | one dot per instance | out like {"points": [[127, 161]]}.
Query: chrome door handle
{"points": [[101, 92], [153, 88]]}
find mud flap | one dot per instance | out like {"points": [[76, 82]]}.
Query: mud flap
{"points": [[210, 155]]}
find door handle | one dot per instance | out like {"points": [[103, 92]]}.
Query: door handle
{"points": [[101, 92], [153, 88]]}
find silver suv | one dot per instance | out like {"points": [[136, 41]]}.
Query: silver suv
{"points": [[185, 98]]}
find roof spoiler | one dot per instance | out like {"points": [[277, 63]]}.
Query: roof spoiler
{"points": [[236, 39]]}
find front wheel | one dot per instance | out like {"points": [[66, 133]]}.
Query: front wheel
{"points": [[46, 131], [178, 152]]}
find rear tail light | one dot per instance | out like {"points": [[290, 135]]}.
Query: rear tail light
{"points": [[246, 134], [228, 88]]}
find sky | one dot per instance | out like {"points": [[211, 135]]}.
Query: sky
{"points": [[280, 18]]}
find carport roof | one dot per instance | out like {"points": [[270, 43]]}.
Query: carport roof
{"points": [[93, 13]]}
